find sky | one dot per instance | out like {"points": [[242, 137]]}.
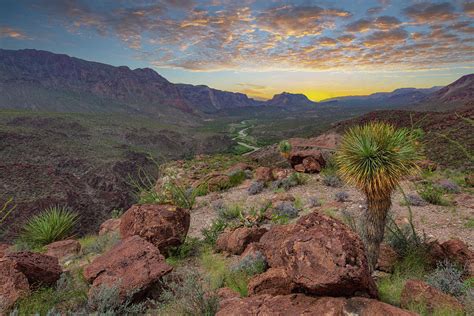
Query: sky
{"points": [[323, 48]]}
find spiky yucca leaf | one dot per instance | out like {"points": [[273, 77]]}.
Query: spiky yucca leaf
{"points": [[53, 224], [374, 157]]}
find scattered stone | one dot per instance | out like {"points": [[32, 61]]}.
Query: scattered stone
{"points": [[418, 292], [263, 174], [237, 240], [300, 304], [38, 268], [226, 293], [314, 202], [454, 250], [280, 173], [415, 200], [274, 281], [239, 167], [255, 188], [282, 197], [341, 196], [111, 225], [428, 165], [387, 258], [165, 226], [64, 249], [299, 168], [311, 165], [217, 182], [13, 285], [310, 161], [133, 265], [321, 255]]}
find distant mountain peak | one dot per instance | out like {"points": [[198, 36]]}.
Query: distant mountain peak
{"points": [[290, 99]]}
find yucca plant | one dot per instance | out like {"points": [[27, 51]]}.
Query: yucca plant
{"points": [[285, 148], [6, 210], [374, 158], [53, 224]]}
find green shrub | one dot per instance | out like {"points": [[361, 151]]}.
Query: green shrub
{"points": [[98, 244], [53, 224], [252, 264], [236, 178], [188, 294], [432, 194], [229, 212], [299, 178], [190, 248], [212, 233], [280, 219], [285, 147]]}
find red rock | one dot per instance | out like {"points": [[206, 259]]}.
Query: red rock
{"points": [[311, 165], [236, 241], [280, 173], [299, 168], [428, 165], [64, 249], [274, 281], [454, 250], [263, 174], [13, 285], [225, 293], [38, 268], [4, 249], [418, 292], [469, 179], [282, 197], [133, 264], [299, 304], [240, 166], [321, 255], [110, 226], [217, 182], [165, 226], [387, 258]]}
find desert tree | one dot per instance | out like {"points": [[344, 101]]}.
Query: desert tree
{"points": [[374, 158]]}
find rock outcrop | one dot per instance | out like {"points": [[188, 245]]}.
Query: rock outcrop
{"points": [[237, 240], [109, 226], [38, 268], [165, 226], [299, 304], [320, 255], [64, 249], [133, 265], [13, 285]]}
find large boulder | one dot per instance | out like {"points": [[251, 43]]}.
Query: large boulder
{"points": [[299, 304], [64, 249], [274, 281], [418, 292], [38, 268], [133, 265], [263, 174], [237, 240], [321, 256], [310, 161], [13, 285], [165, 226], [111, 225]]}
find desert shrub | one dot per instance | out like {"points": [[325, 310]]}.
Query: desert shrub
{"points": [[99, 244], [230, 212], [237, 177], [298, 178], [286, 209], [190, 248], [212, 233], [116, 213], [293, 180], [255, 188], [415, 200], [53, 224], [188, 294], [432, 194], [314, 202], [404, 238], [285, 147], [254, 215], [332, 180], [252, 264], [448, 278], [341, 196], [468, 301], [105, 299], [448, 186], [469, 223], [280, 219], [39, 302]]}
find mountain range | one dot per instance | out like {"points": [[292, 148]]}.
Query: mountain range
{"points": [[44, 81]]}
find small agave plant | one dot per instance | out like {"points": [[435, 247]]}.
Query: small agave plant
{"points": [[285, 148]]}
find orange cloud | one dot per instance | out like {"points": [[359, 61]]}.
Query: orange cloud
{"points": [[6, 31]]}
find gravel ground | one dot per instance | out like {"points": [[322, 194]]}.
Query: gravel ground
{"points": [[437, 222]]}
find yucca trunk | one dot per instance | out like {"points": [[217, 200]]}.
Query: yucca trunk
{"points": [[375, 217]]}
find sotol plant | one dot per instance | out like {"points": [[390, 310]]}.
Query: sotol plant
{"points": [[53, 224], [285, 148], [375, 157]]}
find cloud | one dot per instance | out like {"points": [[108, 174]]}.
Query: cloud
{"points": [[374, 10], [427, 12], [382, 23], [386, 37], [292, 20], [468, 8], [9, 32], [362, 25]]}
